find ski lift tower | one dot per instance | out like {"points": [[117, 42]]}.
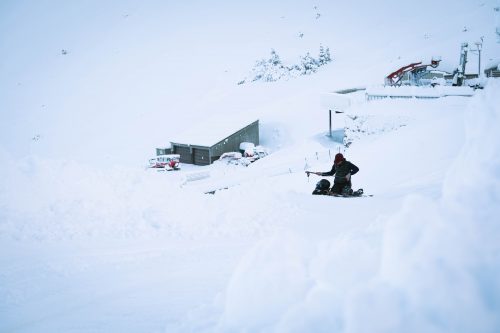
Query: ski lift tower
{"points": [[415, 71], [458, 77], [479, 46]]}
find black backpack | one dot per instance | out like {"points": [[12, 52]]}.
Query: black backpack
{"points": [[322, 187]]}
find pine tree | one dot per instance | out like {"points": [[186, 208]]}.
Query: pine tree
{"points": [[327, 55], [273, 69], [309, 64], [322, 58], [275, 59], [259, 69], [269, 70]]}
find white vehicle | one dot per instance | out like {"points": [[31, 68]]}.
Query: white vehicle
{"points": [[166, 162], [235, 158], [255, 153], [260, 152], [246, 147], [249, 155], [231, 157], [249, 150]]}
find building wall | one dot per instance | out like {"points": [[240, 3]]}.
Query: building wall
{"points": [[249, 133], [466, 76], [199, 155], [492, 73], [185, 152], [431, 75], [163, 151]]}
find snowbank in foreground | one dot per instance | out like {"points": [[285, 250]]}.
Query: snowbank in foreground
{"points": [[434, 266], [43, 199]]}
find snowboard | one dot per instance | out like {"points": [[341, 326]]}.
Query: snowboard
{"points": [[353, 194]]}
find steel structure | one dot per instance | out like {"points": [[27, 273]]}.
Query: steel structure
{"points": [[416, 70]]}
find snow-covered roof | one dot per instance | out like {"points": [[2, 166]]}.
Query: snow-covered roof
{"points": [[335, 101], [212, 130], [164, 145], [439, 72], [493, 64]]}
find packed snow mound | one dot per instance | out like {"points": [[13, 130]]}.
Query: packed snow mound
{"points": [[436, 271], [53, 199], [359, 126]]}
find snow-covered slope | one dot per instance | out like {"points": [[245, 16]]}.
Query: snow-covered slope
{"points": [[90, 241], [135, 74]]}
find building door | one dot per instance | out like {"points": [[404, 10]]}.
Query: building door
{"points": [[185, 152], [201, 156]]}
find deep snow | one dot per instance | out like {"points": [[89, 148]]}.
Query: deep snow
{"points": [[91, 241]]}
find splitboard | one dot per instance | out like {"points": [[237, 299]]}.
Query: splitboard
{"points": [[353, 194], [345, 196]]}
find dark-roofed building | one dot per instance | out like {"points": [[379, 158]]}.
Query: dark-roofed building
{"points": [[493, 70], [204, 144]]}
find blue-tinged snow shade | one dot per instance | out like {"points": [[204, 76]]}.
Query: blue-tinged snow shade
{"points": [[91, 240]]}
